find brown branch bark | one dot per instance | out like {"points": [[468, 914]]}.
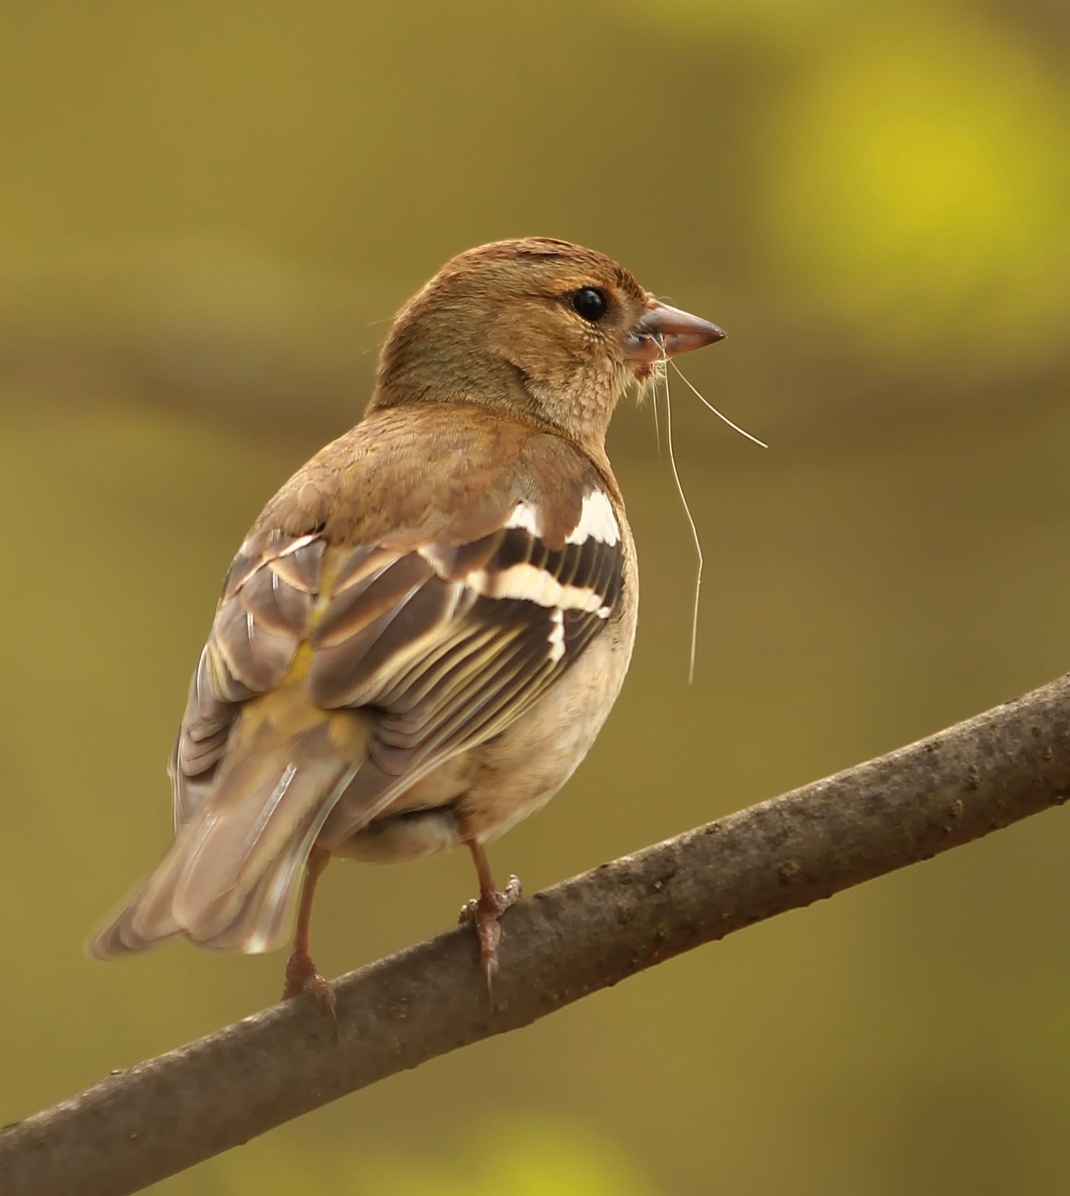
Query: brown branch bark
{"points": [[164, 1115]]}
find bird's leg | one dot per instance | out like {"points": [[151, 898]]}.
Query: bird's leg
{"points": [[484, 910], [301, 974]]}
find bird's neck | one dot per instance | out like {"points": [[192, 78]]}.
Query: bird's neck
{"points": [[579, 415]]}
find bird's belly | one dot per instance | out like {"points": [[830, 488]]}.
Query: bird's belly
{"points": [[521, 769], [419, 822], [484, 792]]}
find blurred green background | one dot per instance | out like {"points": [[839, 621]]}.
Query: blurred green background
{"points": [[209, 213]]}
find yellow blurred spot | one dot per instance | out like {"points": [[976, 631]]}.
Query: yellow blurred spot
{"points": [[528, 1156], [922, 174], [522, 1155]]}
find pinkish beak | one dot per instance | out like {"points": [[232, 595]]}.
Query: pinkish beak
{"points": [[665, 331]]}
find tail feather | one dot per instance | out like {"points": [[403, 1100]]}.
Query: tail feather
{"points": [[229, 880]]}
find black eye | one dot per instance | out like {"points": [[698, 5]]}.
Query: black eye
{"points": [[590, 303]]}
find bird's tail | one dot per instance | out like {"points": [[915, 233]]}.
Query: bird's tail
{"points": [[229, 879]]}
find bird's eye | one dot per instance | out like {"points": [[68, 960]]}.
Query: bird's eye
{"points": [[590, 303]]}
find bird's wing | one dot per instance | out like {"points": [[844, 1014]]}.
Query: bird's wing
{"points": [[441, 644], [336, 675], [452, 641]]}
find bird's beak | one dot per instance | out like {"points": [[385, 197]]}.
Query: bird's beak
{"points": [[665, 331]]}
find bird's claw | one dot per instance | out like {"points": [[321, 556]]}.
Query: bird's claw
{"points": [[302, 977], [484, 912]]}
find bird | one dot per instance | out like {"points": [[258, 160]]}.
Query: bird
{"points": [[427, 626]]}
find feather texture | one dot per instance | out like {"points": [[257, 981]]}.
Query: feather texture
{"points": [[227, 880], [338, 675]]}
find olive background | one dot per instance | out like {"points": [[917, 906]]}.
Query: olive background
{"points": [[209, 213]]}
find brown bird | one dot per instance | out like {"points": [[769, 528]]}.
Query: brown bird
{"points": [[427, 626]]}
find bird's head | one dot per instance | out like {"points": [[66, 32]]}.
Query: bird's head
{"points": [[539, 326]]}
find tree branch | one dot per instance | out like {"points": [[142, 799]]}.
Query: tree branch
{"points": [[138, 1126]]}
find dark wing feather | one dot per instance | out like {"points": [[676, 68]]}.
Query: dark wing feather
{"points": [[460, 654]]}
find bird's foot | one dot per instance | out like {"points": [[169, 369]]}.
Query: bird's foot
{"points": [[483, 911], [302, 977]]}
